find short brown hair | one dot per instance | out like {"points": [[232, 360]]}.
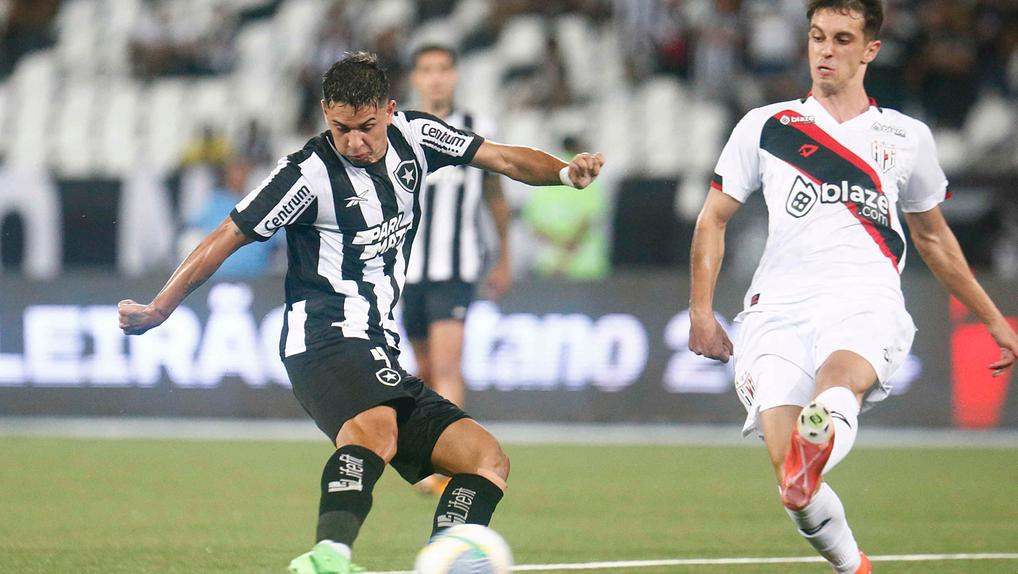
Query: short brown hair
{"points": [[357, 80], [872, 12]]}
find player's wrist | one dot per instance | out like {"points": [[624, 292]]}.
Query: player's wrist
{"points": [[563, 175]]}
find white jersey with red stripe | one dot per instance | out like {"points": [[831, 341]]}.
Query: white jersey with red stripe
{"points": [[832, 191]]}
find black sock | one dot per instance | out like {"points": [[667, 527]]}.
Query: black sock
{"points": [[347, 481], [468, 499]]}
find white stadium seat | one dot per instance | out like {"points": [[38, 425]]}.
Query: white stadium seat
{"points": [[74, 152], [664, 110], [33, 89], [522, 42], [164, 124], [77, 37], [117, 134]]}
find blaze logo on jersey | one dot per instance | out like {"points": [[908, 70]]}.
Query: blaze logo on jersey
{"points": [[381, 238], [804, 195], [406, 175], [801, 197], [855, 182], [883, 155]]}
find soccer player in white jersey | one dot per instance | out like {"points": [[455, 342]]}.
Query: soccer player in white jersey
{"points": [[824, 325], [350, 202], [448, 255]]}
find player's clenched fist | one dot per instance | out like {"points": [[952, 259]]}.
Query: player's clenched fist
{"points": [[708, 338], [136, 318], [585, 168]]}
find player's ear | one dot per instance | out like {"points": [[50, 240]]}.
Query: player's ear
{"points": [[390, 109], [872, 49]]}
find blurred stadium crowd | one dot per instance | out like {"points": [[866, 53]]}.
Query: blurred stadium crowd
{"points": [[123, 119]]}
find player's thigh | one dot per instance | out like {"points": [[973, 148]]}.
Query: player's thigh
{"points": [[880, 336], [467, 447], [846, 369], [419, 434], [445, 347], [374, 429]]}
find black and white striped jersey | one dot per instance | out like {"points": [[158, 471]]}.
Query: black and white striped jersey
{"points": [[349, 229], [449, 244]]}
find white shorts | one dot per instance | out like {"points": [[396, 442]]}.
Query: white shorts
{"points": [[777, 352]]}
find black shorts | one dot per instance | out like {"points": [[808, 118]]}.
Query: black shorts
{"points": [[430, 301], [336, 383]]}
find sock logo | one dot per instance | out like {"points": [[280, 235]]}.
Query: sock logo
{"points": [[457, 509], [813, 531], [353, 472], [841, 417]]}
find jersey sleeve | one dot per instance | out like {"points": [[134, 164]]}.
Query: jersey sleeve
{"points": [[277, 202], [927, 185], [442, 144], [737, 173]]}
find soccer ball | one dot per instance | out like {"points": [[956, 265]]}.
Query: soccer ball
{"points": [[465, 549]]}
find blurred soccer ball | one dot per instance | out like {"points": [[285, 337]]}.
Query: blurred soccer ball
{"points": [[465, 549]]}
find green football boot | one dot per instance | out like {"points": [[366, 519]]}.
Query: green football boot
{"points": [[323, 559]]}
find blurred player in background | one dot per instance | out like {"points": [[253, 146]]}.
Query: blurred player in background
{"points": [[350, 202], [448, 256], [824, 325]]}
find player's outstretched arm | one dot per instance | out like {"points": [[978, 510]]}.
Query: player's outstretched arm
{"points": [[706, 336], [939, 248], [536, 167], [196, 268]]}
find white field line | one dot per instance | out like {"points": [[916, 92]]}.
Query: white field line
{"points": [[737, 561], [507, 433]]}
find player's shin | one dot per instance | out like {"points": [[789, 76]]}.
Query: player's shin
{"points": [[844, 409], [347, 482], [822, 523], [468, 499]]}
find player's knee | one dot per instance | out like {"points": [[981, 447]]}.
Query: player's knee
{"points": [[375, 433], [495, 461]]}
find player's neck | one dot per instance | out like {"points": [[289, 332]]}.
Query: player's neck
{"points": [[843, 105]]}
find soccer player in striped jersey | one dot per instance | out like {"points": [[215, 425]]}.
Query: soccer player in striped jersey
{"points": [[448, 256], [350, 202], [824, 324]]}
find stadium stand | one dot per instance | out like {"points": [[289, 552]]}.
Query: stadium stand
{"points": [[106, 88]]}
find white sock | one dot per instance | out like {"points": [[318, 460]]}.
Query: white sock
{"points": [[343, 549], [844, 408], [822, 523]]}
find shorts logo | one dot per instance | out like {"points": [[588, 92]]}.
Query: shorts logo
{"points": [[801, 198], [388, 377], [745, 387]]}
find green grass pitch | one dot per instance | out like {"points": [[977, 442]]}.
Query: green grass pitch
{"points": [[187, 507]]}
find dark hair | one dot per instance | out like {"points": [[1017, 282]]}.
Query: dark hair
{"points": [[872, 12], [425, 48], [356, 80]]}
